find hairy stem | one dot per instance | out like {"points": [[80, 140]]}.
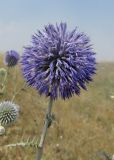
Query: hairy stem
{"points": [[44, 132]]}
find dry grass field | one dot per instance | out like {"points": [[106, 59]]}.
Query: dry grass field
{"points": [[84, 125]]}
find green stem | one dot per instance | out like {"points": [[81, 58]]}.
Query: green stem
{"points": [[44, 132], [17, 92], [14, 82]]}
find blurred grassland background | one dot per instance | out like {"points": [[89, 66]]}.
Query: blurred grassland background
{"points": [[84, 125]]}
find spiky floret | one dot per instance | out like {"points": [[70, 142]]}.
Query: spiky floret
{"points": [[58, 62], [11, 58], [8, 112]]}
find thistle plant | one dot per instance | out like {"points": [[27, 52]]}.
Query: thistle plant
{"points": [[8, 110], [58, 63], [3, 78], [11, 59]]}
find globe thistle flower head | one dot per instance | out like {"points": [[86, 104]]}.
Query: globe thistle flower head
{"points": [[58, 63], [3, 75], [8, 112], [2, 130], [11, 58]]}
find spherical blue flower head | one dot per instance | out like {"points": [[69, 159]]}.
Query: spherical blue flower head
{"points": [[11, 58], [59, 62]]}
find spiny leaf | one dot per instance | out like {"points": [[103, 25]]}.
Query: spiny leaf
{"points": [[26, 143]]}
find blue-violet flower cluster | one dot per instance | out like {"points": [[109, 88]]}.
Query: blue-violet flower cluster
{"points": [[11, 58], [58, 63]]}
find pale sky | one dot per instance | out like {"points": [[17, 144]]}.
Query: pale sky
{"points": [[19, 19]]}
